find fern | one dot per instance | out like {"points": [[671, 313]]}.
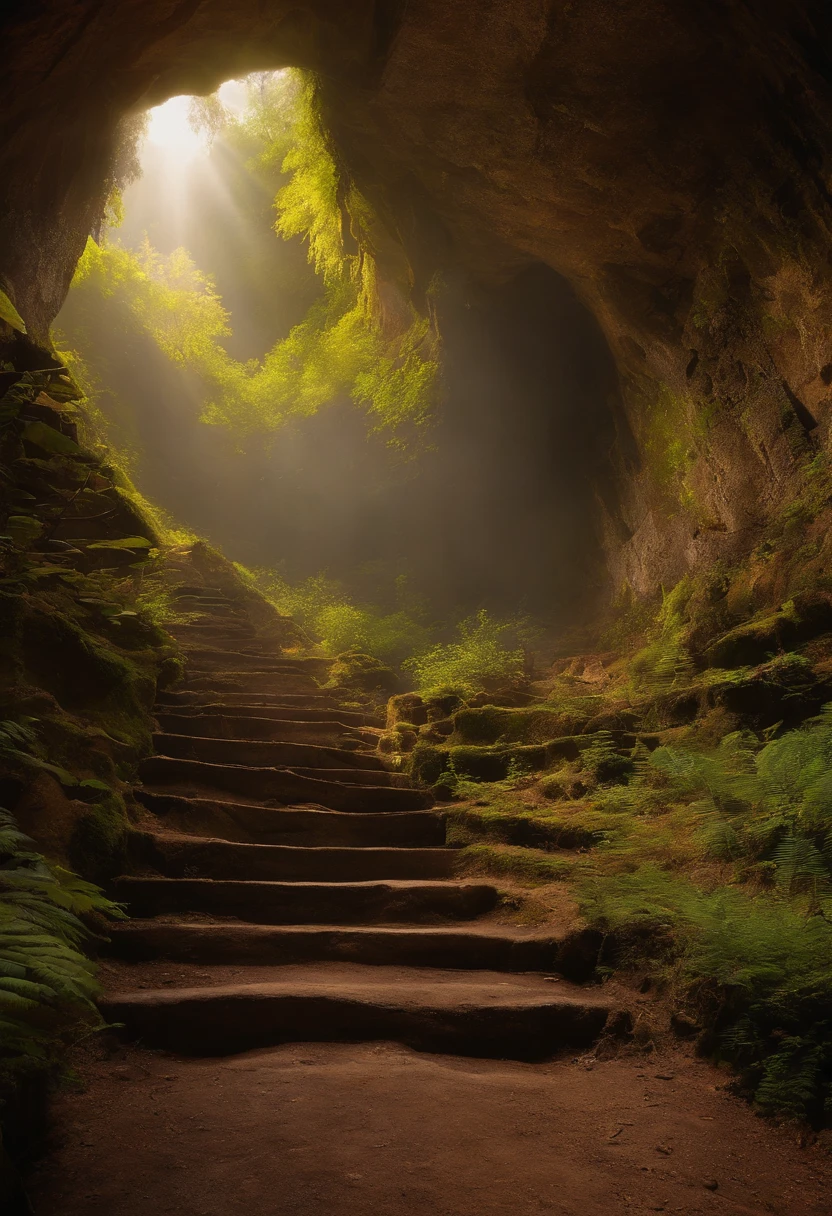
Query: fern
{"points": [[801, 867], [47, 985], [19, 747]]}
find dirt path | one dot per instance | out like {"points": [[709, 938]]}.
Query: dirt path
{"points": [[379, 1130]]}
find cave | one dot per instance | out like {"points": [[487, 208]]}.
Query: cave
{"points": [[416, 669]]}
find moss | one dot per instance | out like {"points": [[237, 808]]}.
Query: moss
{"points": [[518, 826], [805, 616], [489, 763], [526, 866], [406, 707], [98, 846], [493, 724], [667, 439], [362, 671]]}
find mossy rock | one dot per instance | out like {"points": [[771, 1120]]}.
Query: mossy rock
{"points": [[804, 617], [442, 704], [171, 670], [526, 866], [787, 689], [528, 830], [78, 668], [407, 707], [362, 671], [488, 763], [494, 724], [98, 846]]}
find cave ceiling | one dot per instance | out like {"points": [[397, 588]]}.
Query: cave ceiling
{"points": [[670, 158]]}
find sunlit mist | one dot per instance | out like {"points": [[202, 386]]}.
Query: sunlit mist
{"points": [[170, 127]]}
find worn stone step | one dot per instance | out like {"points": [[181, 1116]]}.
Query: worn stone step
{"points": [[230, 640], [475, 1014], [276, 682], [180, 856], [283, 786], [254, 823], [356, 776], [198, 662], [298, 903], [472, 948], [231, 699], [204, 658], [265, 754], [236, 726], [186, 711]]}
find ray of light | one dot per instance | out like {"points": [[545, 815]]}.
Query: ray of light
{"points": [[170, 128]]}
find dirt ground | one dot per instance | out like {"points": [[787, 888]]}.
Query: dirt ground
{"points": [[379, 1130]]}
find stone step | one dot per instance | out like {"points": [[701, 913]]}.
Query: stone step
{"points": [[472, 948], [283, 786], [301, 903], [263, 658], [356, 776], [227, 640], [475, 1014], [251, 823], [275, 682], [181, 856], [262, 753], [236, 726], [231, 699], [186, 711], [199, 662]]}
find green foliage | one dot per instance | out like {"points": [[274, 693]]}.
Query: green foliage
{"points": [[341, 349], [20, 748], [308, 205], [321, 607], [513, 861], [47, 986], [603, 760], [482, 657], [772, 803], [665, 662], [764, 968]]}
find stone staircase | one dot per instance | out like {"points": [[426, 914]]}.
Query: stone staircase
{"points": [[303, 890]]}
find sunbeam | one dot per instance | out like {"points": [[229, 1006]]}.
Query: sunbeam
{"points": [[170, 127]]}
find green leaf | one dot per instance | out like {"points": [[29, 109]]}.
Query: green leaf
{"points": [[92, 783], [10, 315], [46, 437], [127, 542]]}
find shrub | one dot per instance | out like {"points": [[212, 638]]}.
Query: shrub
{"points": [[481, 658]]}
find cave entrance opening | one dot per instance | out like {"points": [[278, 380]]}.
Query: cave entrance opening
{"points": [[497, 509]]}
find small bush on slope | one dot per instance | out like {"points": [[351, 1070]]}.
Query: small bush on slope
{"points": [[479, 658]]}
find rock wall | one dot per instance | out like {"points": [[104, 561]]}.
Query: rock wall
{"points": [[670, 158]]}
